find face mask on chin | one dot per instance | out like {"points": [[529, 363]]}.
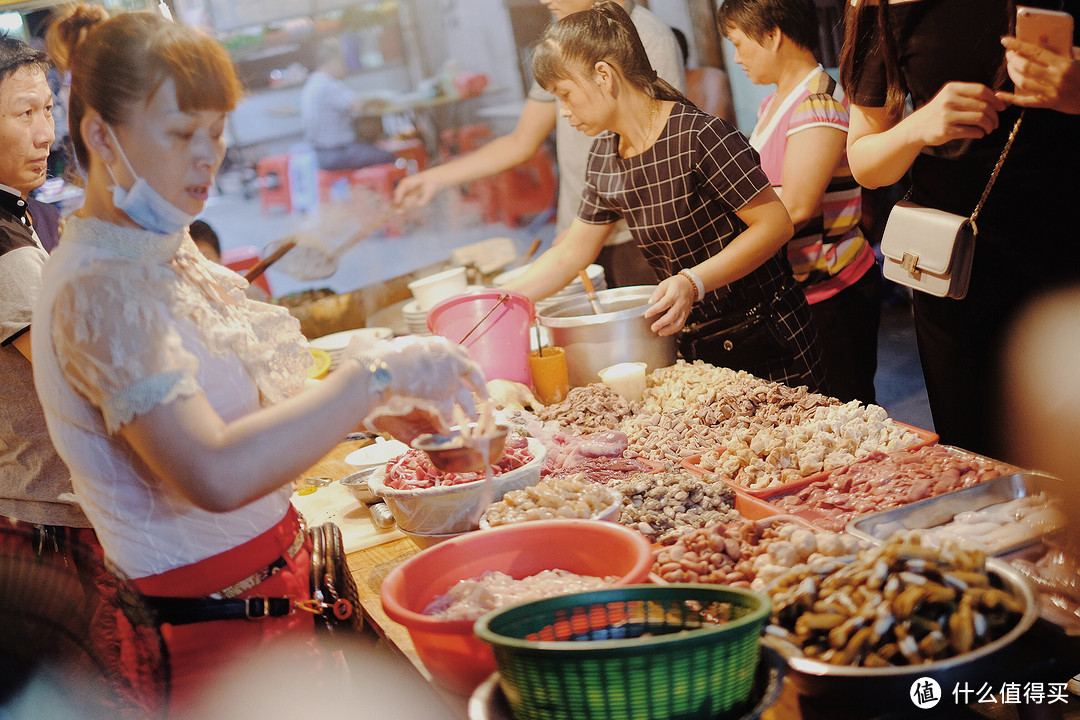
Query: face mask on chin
{"points": [[143, 204]]}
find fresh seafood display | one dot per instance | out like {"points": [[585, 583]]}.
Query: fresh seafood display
{"points": [[766, 456], [882, 481], [469, 599], [748, 553], [897, 604], [992, 528], [570, 496], [664, 505], [589, 408]]}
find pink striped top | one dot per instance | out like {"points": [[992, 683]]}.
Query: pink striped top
{"points": [[830, 252]]}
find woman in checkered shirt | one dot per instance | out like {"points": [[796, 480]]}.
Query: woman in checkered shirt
{"points": [[695, 198]]}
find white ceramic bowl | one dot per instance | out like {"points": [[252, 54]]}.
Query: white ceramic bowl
{"points": [[455, 508], [433, 289]]}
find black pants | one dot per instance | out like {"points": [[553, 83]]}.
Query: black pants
{"points": [[847, 327], [961, 341]]}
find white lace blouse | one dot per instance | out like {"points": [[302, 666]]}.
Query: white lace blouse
{"points": [[127, 320]]}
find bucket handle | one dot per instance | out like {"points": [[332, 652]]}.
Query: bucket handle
{"points": [[502, 298]]}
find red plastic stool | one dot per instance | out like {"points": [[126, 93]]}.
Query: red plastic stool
{"points": [[381, 180], [334, 184], [463, 140], [527, 189], [407, 151], [479, 193], [273, 181], [244, 258]]}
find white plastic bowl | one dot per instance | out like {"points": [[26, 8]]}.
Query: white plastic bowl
{"points": [[455, 508], [609, 513], [431, 290]]}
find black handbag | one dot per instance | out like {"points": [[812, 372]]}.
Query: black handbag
{"points": [[332, 584], [748, 342]]}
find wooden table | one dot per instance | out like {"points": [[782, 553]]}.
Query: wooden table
{"points": [[371, 565]]}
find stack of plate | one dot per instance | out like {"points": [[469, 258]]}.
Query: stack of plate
{"points": [[335, 343], [416, 317], [574, 289]]}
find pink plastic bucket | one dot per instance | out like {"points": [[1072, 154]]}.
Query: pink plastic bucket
{"points": [[500, 344]]}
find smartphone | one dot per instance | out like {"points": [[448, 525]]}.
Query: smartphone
{"points": [[1050, 29]]}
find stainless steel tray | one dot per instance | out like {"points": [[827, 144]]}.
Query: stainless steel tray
{"points": [[940, 510]]}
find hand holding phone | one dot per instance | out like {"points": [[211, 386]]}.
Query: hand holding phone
{"points": [[1049, 29]]}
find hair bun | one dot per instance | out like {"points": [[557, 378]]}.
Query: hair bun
{"points": [[69, 29]]}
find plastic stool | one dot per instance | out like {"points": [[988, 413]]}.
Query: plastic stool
{"points": [[381, 180], [464, 139], [407, 151], [479, 193], [334, 184], [527, 189], [244, 258], [273, 180]]}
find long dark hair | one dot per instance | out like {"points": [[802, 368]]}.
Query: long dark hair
{"points": [[603, 33], [856, 48]]}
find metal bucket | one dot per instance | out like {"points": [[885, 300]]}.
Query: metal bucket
{"points": [[619, 334]]}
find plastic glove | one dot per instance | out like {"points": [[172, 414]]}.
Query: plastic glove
{"points": [[429, 377]]}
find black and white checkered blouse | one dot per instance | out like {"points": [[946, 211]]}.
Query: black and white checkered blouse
{"points": [[679, 198]]}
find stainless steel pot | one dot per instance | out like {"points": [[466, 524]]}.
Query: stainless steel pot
{"points": [[619, 334]]}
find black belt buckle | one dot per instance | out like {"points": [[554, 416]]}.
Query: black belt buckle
{"points": [[255, 608]]}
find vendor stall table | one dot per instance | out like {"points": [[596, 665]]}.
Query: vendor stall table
{"points": [[1042, 655]]}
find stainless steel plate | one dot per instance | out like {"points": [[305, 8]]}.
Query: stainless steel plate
{"points": [[940, 510]]}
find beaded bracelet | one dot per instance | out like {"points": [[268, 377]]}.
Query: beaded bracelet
{"points": [[695, 280]]}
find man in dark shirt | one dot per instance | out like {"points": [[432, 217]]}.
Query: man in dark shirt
{"points": [[35, 486]]}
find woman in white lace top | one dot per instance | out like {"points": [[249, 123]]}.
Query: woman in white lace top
{"points": [[173, 398]]}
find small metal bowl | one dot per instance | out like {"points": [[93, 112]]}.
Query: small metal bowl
{"points": [[357, 484], [453, 453]]}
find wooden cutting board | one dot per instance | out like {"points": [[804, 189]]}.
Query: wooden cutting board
{"points": [[334, 502]]}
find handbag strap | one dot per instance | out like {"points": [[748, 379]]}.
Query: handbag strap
{"points": [[995, 172]]}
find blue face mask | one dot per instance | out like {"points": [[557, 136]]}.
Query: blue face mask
{"points": [[144, 205]]}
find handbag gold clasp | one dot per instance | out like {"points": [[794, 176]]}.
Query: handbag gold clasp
{"points": [[910, 262]]}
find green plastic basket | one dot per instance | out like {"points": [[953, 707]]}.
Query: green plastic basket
{"points": [[638, 651]]}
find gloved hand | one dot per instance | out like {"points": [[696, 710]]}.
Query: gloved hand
{"points": [[428, 377]]}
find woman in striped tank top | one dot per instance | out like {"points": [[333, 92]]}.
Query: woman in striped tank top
{"points": [[801, 134]]}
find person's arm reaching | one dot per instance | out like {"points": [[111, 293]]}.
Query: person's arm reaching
{"points": [[221, 466], [556, 268], [880, 150], [535, 124], [768, 227]]}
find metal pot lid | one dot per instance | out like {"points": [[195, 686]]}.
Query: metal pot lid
{"points": [[621, 303]]}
